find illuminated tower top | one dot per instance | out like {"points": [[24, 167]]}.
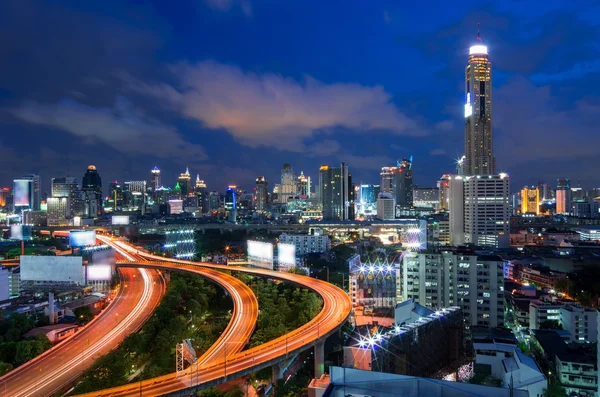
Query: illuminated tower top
{"points": [[479, 158]]}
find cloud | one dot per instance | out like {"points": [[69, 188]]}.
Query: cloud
{"points": [[122, 127], [445, 126], [271, 110], [531, 124], [578, 71], [228, 5]]}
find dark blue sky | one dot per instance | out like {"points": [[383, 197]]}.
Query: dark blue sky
{"points": [[235, 88]]}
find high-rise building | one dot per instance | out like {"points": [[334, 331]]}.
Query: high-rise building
{"points": [[91, 186], [288, 185], [303, 186], [185, 183], [563, 196], [403, 183], [426, 197], [155, 179], [261, 194], [65, 188], [336, 192], [200, 191], [116, 194], [385, 207], [27, 193], [530, 200], [4, 196], [386, 181], [231, 203], [214, 202], [443, 187], [59, 211], [479, 154], [480, 210], [473, 282], [135, 195]]}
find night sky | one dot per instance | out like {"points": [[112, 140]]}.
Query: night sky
{"points": [[235, 88]]}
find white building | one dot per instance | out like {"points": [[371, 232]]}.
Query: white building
{"points": [[474, 283], [307, 243], [479, 208], [521, 372], [540, 312], [581, 322], [577, 373], [385, 207], [4, 284], [59, 211]]}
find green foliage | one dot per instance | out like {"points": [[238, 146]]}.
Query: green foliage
{"points": [[282, 309], [214, 392], [15, 351], [83, 314], [583, 285], [5, 368], [555, 390], [551, 324], [16, 252], [182, 314]]}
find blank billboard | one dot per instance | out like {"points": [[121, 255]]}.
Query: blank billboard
{"points": [[22, 193], [99, 272], [20, 232], [120, 220], [52, 268], [260, 250], [286, 254], [82, 238]]}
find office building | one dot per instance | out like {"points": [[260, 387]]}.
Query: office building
{"points": [[27, 195], [480, 210], [116, 195], [261, 194], [231, 203], [91, 187], [303, 187], [386, 209], [201, 197], [5, 196], [563, 196], [288, 185], [386, 181], [473, 282], [426, 197], [59, 211], [374, 284], [444, 191], [155, 179], [479, 156], [403, 183], [185, 183], [307, 243], [214, 202], [530, 200], [134, 193], [336, 192], [581, 322], [64, 187]]}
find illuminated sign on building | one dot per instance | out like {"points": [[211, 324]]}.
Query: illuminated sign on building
{"points": [[468, 110], [22, 193], [120, 220], [286, 255], [82, 238]]}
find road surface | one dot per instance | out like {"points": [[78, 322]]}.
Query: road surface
{"points": [[336, 308], [140, 293]]}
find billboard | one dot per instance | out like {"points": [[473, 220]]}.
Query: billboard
{"points": [[66, 269], [82, 238], [20, 232], [286, 254], [120, 220], [260, 250], [22, 194], [99, 272], [175, 206]]}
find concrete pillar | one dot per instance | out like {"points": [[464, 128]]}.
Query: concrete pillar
{"points": [[319, 359], [51, 307], [278, 370]]}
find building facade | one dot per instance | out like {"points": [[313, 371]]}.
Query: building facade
{"points": [[475, 283], [530, 200], [336, 192], [307, 243]]}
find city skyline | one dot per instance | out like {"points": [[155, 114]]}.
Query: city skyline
{"points": [[105, 108]]}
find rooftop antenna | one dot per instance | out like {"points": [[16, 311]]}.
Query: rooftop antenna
{"points": [[478, 33]]}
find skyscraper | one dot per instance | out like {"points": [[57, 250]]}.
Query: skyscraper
{"points": [[303, 186], [231, 203], [479, 158], [443, 186], [185, 183], [563, 196], [336, 192], [403, 183], [260, 194], [27, 193], [386, 181], [155, 179], [91, 186], [200, 191], [115, 194], [530, 200], [65, 188], [287, 188]]}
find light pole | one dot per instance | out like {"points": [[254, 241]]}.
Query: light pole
{"points": [[326, 267]]}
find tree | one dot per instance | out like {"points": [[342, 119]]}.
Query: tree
{"points": [[83, 314], [551, 324], [555, 390]]}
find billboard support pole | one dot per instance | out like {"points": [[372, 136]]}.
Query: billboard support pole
{"points": [[51, 307], [22, 247]]}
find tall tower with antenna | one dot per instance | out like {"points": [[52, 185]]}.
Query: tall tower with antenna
{"points": [[479, 154]]}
